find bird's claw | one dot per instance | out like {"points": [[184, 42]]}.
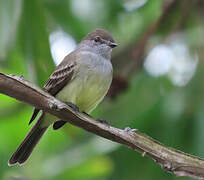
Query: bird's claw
{"points": [[73, 106], [104, 121]]}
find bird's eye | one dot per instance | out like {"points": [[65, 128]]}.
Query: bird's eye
{"points": [[97, 39]]}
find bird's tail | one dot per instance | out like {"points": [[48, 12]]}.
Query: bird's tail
{"points": [[26, 147]]}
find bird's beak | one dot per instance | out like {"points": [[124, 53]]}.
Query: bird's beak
{"points": [[113, 44]]}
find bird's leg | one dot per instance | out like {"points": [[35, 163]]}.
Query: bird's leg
{"points": [[73, 106]]}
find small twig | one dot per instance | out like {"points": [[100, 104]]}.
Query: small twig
{"points": [[177, 162]]}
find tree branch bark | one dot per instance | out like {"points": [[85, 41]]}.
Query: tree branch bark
{"points": [[171, 160]]}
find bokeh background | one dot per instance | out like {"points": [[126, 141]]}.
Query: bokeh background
{"points": [[158, 84]]}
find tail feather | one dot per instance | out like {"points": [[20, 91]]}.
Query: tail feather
{"points": [[26, 147]]}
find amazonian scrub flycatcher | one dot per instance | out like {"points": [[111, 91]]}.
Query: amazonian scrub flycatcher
{"points": [[82, 78]]}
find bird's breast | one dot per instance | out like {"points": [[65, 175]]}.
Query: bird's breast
{"points": [[90, 84]]}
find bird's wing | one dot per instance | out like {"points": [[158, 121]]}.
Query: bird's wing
{"points": [[59, 78], [63, 73]]}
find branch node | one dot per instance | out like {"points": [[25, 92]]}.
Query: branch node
{"points": [[130, 131], [167, 165], [143, 154], [61, 106], [21, 77], [54, 105]]}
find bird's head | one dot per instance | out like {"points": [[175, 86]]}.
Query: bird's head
{"points": [[100, 41], [100, 37]]}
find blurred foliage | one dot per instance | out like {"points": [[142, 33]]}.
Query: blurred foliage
{"points": [[156, 105]]}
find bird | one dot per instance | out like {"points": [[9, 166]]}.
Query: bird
{"points": [[81, 80]]}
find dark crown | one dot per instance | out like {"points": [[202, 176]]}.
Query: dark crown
{"points": [[100, 32]]}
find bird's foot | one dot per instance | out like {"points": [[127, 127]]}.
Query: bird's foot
{"points": [[104, 121], [99, 120], [73, 106], [87, 114]]}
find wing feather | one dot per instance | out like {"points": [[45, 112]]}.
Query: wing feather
{"points": [[58, 79]]}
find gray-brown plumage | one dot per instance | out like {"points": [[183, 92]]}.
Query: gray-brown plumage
{"points": [[82, 78]]}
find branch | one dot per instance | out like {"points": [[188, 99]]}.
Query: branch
{"points": [[171, 160]]}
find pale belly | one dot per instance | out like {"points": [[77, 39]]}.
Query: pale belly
{"points": [[86, 91]]}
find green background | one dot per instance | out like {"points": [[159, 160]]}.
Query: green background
{"points": [[169, 107]]}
